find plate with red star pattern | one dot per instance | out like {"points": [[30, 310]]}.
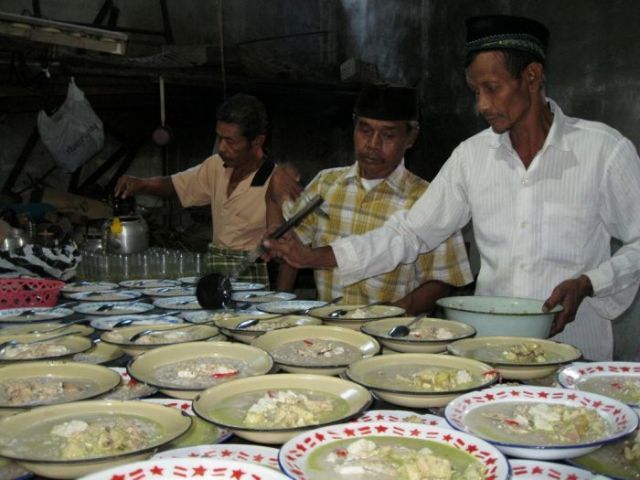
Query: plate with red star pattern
{"points": [[618, 380], [537, 470], [541, 423], [267, 456], [317, 454], [181, 468], [402, 416]]}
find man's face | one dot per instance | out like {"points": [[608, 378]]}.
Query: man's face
{"points": [[502, 100], [380, 145], [233, 147]]}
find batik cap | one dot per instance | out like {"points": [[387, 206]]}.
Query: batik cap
{"points": [[500, 32], [386, 102]]}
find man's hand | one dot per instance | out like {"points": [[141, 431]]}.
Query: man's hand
{"points": [[284, 184], [295, 253], [127, 186], [569, 294]]}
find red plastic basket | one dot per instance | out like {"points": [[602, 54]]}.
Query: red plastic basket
{"points": [[29, 292]]}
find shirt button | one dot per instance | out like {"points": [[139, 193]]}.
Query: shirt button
{"points": [[523, 225], [525, 181]]}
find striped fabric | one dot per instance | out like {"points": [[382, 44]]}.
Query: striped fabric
{"points": [[350, 209]]}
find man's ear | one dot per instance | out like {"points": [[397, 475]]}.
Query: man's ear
{"points": [[259, 140], [413, 136], [534, 76]]}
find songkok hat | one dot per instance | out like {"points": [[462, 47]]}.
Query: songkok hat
{"points": [[385, 102], [499, 32]]}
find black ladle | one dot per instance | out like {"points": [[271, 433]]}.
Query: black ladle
{"points": [[214, 290]]}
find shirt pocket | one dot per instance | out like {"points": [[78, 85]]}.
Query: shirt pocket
{"points": [[566, 229]]}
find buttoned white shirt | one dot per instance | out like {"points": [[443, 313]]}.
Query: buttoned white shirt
{"points": [[534, 227]]}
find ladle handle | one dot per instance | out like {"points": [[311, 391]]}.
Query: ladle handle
{"points": [[251, 257]]}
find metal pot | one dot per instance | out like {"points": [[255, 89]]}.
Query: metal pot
{"points": [[127, 234], [16, 239]]}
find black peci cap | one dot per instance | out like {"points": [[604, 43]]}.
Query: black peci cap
{"points": [[500, 32], [385, 102]]}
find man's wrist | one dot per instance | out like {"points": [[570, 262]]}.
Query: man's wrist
{"points": [[587, 287], [322, 257]]}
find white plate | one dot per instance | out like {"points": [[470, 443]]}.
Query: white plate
{"points": [[112, 308], [30, 315], [150, 283], [621, 419], [107, 323], [179, 291], [537, 470], [180, 468], [240, 286], [88, 287], [401, 416], [105, 296], [295, 456], [187, 302], [291, 306], [574, 376], [266, 456], [261, 296]]}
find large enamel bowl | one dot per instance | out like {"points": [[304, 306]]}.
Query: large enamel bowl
{"points": [[492, 350], [171, 424], [304, 457], [429, 335], [144, 367], [226, 405], [271, 341], [378, 375], [513, 317], [77, 381], [488, 414], [171, 335]]}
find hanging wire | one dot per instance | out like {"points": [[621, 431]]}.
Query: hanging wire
{"points": [[221, 30]]}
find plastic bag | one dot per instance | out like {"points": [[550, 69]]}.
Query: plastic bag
{"points": [[74, 133]]}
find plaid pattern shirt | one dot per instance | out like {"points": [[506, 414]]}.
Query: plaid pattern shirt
{"points": [[225, 260], [349, 209]]}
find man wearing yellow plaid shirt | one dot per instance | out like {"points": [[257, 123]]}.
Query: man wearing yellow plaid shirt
{"points": [[361, 197]]}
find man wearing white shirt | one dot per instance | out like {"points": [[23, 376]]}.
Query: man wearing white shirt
{"points": [[546, 193]]}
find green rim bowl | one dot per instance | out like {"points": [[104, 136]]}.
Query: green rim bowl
{"points": [[143, 367], [357, 399], [73, 343], [268, 342], [265, 324], [412, 344]]}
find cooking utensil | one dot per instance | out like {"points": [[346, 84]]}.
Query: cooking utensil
{"points": [[13, 343], [214, 290], [250, 322], [404, 330]]}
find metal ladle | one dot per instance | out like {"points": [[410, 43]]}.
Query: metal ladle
{"points": [[404, 330], [214, 290]]}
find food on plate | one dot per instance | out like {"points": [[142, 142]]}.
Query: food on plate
{"points": [[391, 458], [437, 379], [85, 437], [168, 336], [538, 423], [525, 353], [316, 352], [42, 390], [421, 378], [199, 373], [356, 313], [623, 388], [430, 333], [129, 389], [23, 351], [288, 409], [632, 450]]}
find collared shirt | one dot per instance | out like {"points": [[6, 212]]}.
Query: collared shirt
{"points": [[349, 208], [534, 227], [239, 220]]}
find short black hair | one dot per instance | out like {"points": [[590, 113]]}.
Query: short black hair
{"points": [[514, 60], [246, 111]]}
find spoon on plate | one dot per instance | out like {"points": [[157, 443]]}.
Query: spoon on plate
{"points": [[15, 343], [151, 331], [404, 330], [250, 322], [60, 327], [340, 312]]}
